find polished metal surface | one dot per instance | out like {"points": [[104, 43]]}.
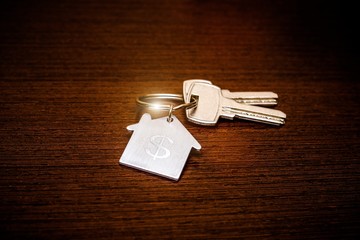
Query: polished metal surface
{"points": [[212, 104], [264, 99], [159, 147]]}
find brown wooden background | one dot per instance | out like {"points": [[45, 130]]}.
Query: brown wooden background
{"points": [[70, 73]]}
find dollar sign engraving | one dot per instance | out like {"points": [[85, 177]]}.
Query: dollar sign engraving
{"points": [[161, 151]]}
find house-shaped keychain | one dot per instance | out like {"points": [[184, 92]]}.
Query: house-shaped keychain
{"points": [[159, 147]]}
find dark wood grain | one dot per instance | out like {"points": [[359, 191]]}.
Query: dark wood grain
{"points": [[70, 73]]}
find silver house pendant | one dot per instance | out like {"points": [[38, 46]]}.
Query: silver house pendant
{"points": [[159, 147]]}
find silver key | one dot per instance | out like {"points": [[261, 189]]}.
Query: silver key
{"points": [[212, 105], [265, 99]]}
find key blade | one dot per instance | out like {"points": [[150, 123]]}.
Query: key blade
{"points": [[231, 109], [248, 95], [265, 99], [258, 102], [230, 113]]}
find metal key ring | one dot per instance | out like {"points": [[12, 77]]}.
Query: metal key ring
{"points": [[146, 101]]}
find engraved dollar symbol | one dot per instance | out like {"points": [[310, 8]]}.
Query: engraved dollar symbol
{"points": [[161, 151]]}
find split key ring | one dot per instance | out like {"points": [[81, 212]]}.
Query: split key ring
{"points": [[153, 101]]}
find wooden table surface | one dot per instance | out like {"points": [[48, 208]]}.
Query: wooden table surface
{"points": [[70, 74]]}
